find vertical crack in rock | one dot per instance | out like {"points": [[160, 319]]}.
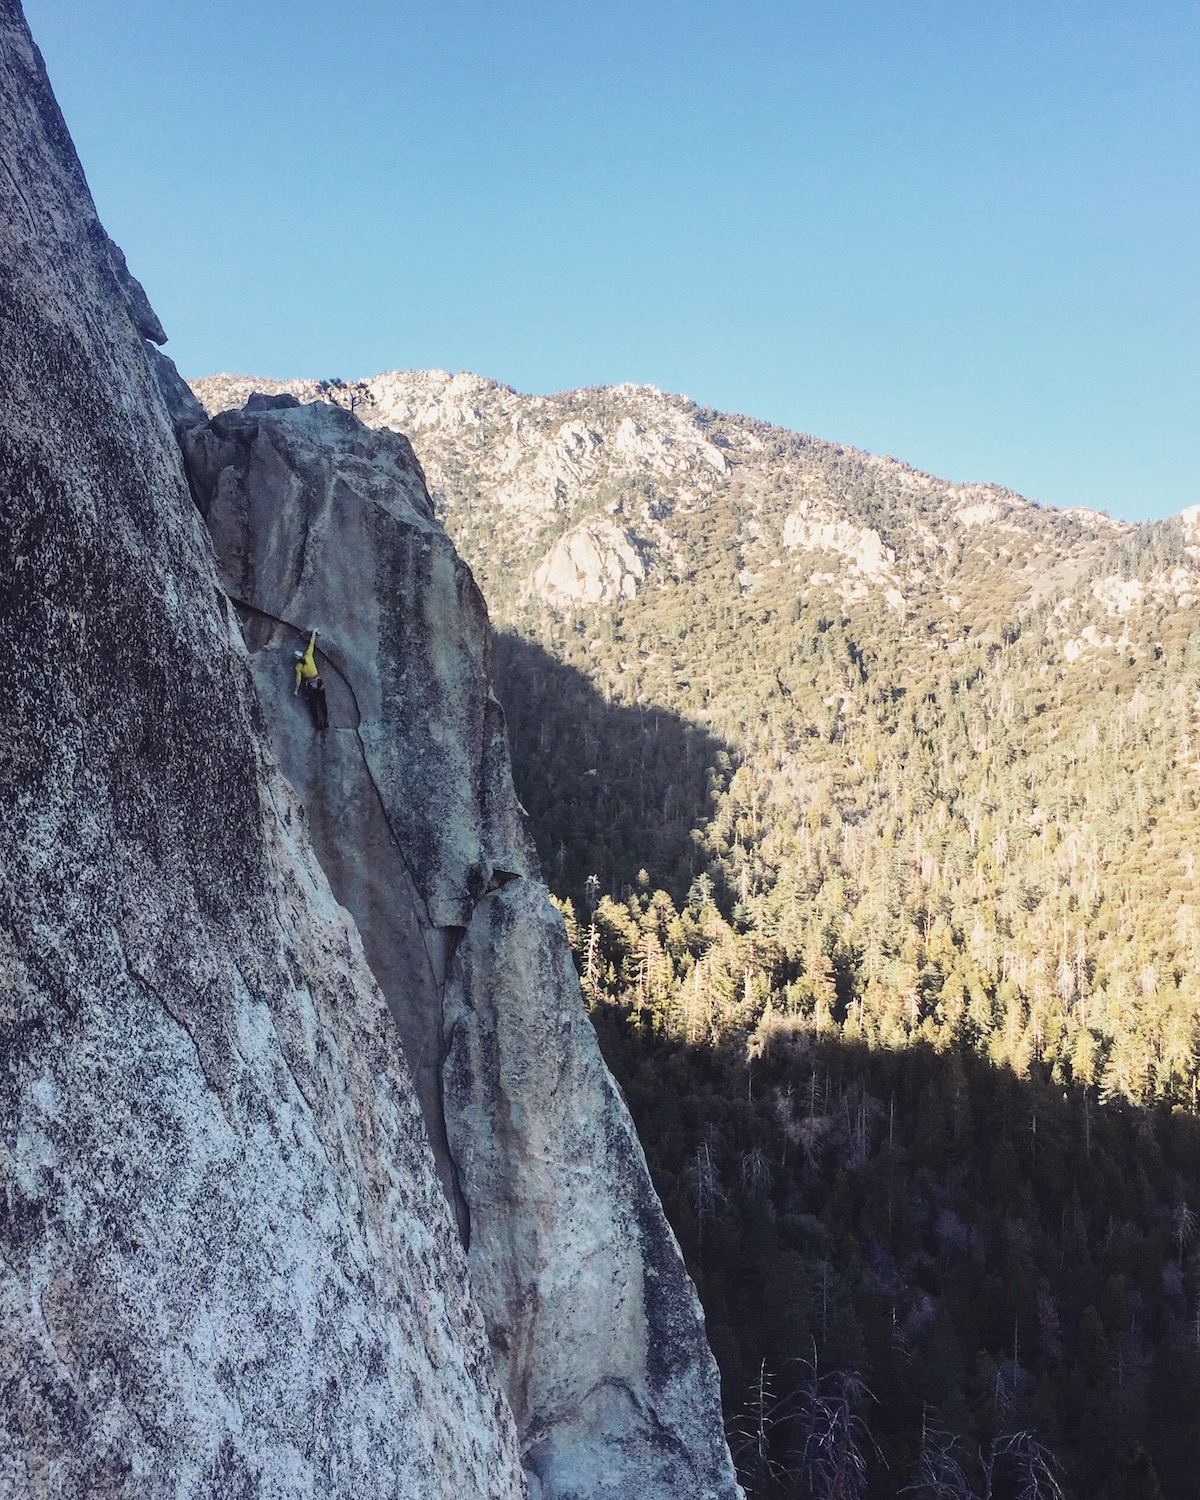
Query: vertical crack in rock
{"points": [[593, 1323], [214, 1082], [432, 1098]]}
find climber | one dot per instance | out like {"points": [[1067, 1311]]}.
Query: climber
{"points": [[314, 688]]}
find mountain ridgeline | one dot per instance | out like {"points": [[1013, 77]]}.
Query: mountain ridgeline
{"points": [[871, 804]]}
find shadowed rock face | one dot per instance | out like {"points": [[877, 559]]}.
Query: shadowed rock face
{"points": [[592, 1316], [593, 1322], [226, 1267], [317, 522]]}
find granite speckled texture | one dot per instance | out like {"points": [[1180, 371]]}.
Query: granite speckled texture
{"points": [[226, 1266], [260, 987]]}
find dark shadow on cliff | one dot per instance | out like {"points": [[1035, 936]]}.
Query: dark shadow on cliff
{"points": [[610, 790], [991, 1253]]}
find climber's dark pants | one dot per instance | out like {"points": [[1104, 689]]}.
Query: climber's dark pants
{"points": [[315, 692]]}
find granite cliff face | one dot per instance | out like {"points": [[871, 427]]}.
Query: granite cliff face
{"points": [[227, 1266], [593, 1323]]}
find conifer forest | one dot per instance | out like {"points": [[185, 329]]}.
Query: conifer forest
{"points": [[898, 971]]}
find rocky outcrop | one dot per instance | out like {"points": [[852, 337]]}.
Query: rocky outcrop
{"points": [[860, 549], [593, 1323], [226, 1267], [594, 563]]}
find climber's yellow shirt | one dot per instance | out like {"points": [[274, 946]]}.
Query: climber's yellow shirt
{"points": [[308, 667]]}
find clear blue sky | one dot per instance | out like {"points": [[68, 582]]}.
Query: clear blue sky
{"points": [[964, 232]]}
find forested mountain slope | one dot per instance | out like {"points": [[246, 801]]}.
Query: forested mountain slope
{"points": [[588, 496]]}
